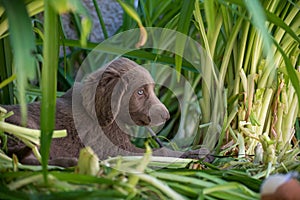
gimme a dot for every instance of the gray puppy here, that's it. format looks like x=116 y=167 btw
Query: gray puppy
x=97 y=113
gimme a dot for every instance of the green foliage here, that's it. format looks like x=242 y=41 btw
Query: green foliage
x=49 y=82
x=183 y=27
x=255 y=47
x=24 y=50
x=131 y=177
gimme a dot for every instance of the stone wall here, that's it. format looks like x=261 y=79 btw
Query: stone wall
x=112 y=14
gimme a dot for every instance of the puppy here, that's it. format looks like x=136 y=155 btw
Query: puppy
x=97 y=113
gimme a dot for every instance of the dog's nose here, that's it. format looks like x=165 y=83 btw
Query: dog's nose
x=165 y=114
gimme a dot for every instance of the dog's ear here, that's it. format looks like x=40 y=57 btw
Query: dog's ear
x=102 y=94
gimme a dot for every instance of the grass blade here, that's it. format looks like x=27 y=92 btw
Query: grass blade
x=23 y=49
x=133 y=14
x=49 y=76
x=6 y=72
x=254 y=7
x=100 y=19
x=183 y=27
x=210 y=16
x=279 y=22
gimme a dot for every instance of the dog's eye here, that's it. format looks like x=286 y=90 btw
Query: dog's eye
x=140 y=92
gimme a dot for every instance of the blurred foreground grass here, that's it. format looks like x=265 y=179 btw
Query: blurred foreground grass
x=143 y=177
x=130 y=178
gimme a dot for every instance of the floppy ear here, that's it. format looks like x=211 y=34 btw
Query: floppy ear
x=102 y=94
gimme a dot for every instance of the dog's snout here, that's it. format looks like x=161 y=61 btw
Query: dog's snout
x=165 y=114
x=159 y=114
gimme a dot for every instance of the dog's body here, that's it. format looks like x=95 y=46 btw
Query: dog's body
x=64 y=151
x=95 y=113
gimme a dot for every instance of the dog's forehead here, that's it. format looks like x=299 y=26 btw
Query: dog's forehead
x=139 y=75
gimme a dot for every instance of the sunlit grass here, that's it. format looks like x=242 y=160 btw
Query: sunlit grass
x=256 y=53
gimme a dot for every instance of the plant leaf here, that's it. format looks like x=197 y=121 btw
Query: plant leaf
x=49 y=82
x=23 y=49
x=133 y=14
x=183 y=27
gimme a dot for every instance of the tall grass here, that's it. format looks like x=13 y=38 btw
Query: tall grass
x=254 y=45
x=24 y=50
x=49 y=81
x=24 y=55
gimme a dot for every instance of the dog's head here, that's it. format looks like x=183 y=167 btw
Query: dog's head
x=124 y=92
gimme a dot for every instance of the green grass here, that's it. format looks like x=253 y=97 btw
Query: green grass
x=255 y=48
